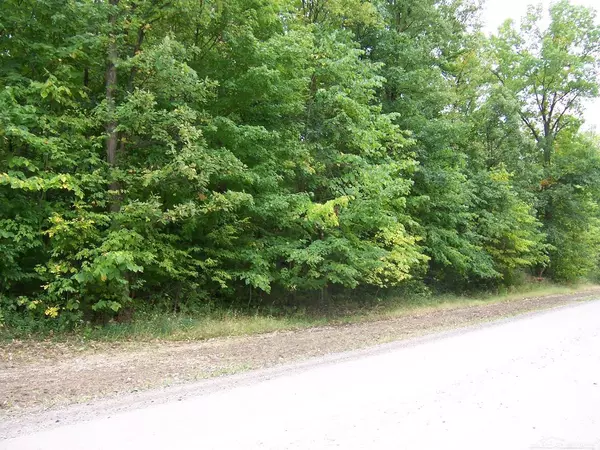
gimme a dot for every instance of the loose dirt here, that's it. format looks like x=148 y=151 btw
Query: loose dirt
x=36 y=376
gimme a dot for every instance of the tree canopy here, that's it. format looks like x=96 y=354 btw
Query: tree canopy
x=172 y=154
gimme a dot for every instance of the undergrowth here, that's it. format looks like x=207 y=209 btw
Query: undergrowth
x=151 y=325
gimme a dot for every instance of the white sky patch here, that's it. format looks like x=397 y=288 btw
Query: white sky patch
x=497 y=11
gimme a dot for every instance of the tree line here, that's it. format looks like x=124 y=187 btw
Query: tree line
x=159 y=153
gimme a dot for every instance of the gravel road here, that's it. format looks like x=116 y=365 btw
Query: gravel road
x=528 y=383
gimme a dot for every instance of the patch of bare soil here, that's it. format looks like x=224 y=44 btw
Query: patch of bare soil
x=40 y=375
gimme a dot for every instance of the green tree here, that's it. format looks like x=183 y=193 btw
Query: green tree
x=171 y=154
x=544 y=75
x=549 y=72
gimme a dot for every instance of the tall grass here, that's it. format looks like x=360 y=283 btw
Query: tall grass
x=221 y=323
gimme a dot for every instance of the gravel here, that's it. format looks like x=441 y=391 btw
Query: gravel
x=523 y=383
x=38 y=376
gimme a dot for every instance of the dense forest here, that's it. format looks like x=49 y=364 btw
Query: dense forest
x=166 y=154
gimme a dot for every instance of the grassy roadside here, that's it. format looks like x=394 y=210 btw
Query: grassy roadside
x=178 y=327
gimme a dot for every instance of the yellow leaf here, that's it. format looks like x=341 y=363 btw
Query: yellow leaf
x=52 y=311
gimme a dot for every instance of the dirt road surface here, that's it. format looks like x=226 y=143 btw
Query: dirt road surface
x=523 y=383
x=37 y=376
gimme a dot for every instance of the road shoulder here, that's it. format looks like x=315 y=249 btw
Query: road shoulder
x=37 y=391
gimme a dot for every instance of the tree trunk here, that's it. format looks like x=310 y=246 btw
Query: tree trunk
x=111 y=125
x=548 y=143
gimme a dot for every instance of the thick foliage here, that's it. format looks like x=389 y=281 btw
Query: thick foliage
x=187 y=152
